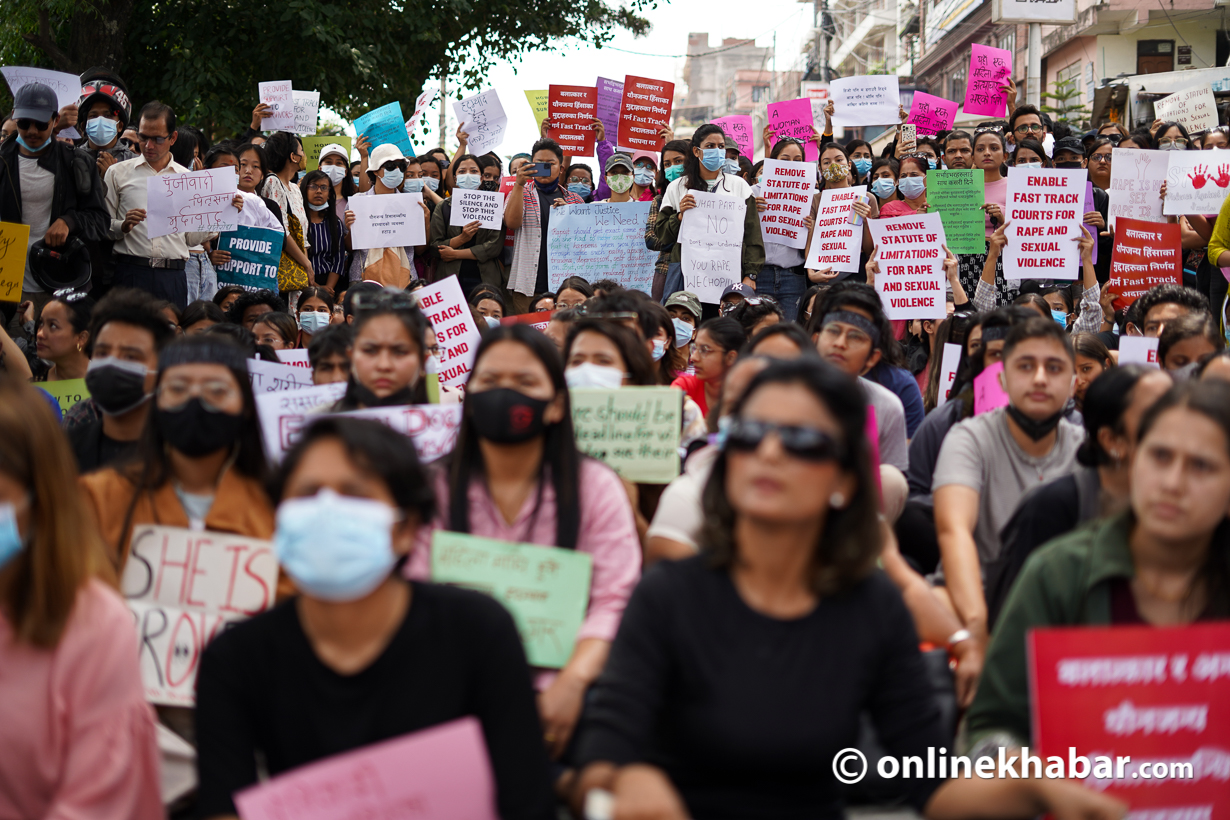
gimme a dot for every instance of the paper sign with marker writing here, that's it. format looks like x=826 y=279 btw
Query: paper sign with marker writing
x=197 y=201
x=787 y=191
x=738 y=129
x=1045 y=207
x=445 y=307
x=255 y=256
x=420 y=106
x=482 y=117
x=280 y=97
x=538 y=104
x=600 y=240
x=932 y=114
x=307 y=111
x=633 y=430
x=384 y=125
x=1138 y=350
x=485 y=207
x=66 y=86
x=312 y=146
x=1136 y=178
x=712 y=238
x=432 y=428
x=271 y=377
x=989 y=70
x=793 y=118
x=68 y=392
x=14 y=247
x=948 y=370
x=866 y=100
x=957 y=195
x=573 y=109
x=1145 y=254
x=835 y=243
x=441 y=773
x=172 y=639
x=911 y=256
x=1197 y=182
x=285 y=413
x=610 y=96
x=988 y=392
x=387 y=221
x=644 y=111
x=297 y=357
x=546 y=589
x=1194 y=108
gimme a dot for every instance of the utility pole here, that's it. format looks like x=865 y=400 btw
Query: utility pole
x=443 y=106
x=1033 y=75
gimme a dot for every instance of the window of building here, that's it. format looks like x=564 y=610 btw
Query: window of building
x=958 y=77
x=1154 y=56
x=760 y=93
x=1007 y=40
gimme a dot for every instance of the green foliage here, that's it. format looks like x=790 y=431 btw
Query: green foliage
x=1066 y=108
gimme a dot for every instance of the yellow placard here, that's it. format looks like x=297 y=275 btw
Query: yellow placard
x=68 y=392
x=538 y=102
x=14 y=240
x=312 y=146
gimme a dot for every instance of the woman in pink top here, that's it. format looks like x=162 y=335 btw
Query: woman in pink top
x=911 y=186
x=516 y=475
x=76 y=736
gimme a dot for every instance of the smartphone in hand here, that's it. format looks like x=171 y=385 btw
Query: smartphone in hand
x=542 y=170
x=909 y=135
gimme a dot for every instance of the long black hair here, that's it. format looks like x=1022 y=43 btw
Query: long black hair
x=637 y=363
x=416 y=325
x=678 y=146
x=329 y=214
x=1106 y=400
x=691 y=162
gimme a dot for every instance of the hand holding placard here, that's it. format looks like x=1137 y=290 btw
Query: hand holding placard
x=866 y=100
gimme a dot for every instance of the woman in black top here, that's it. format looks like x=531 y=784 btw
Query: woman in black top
x=362 y=655
x=738 y=676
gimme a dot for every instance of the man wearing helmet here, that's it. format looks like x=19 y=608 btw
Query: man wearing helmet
x=104 y=111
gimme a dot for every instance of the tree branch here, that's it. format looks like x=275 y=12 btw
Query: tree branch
x=47 y=43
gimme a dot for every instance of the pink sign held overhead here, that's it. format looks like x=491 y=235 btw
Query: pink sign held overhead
x=738 y=127
x=989 y=68
x=988 y=392
x=793 y=118
x=932 y=114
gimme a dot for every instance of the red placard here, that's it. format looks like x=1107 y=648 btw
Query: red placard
x=1145 y=254
x=573 y=109
x=1159 y=696
x=645 y=110
x=537 y=320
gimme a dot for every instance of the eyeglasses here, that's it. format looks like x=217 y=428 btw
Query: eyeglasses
x=130 y=144
x=156 y=140
x=1032 y=128
x=213 y=393
x=1172 y=141
x=746 y=435
x=390 y=300
x=1115 y=139
x=319 y=189
x=1105 y=157
x=32 y=125
x=433 y=350
x=705 y=350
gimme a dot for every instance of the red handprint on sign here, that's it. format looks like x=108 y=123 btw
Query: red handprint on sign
x=1223 y=176
x=1199 y=178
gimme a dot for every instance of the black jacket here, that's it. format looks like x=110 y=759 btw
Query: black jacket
x=79 y=198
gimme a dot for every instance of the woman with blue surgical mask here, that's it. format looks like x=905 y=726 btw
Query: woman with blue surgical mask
x=360 y=654
x=470 y=252
x=314 y=313
x=883 y=180
x=674 y=152
x=860 y=159
x=389 y=266
x=911 y=188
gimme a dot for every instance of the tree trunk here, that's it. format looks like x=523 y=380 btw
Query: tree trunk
x=96 y=37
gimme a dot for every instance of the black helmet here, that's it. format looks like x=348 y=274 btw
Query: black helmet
x=67 y=266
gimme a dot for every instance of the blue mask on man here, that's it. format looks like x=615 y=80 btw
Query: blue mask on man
x=22 y=142
x=101 y=130
x=732 y=166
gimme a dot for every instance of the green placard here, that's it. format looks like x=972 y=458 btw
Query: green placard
x=957 y=196
x=545 y=588
x=68 y=392
x=633 y=430
x=312 y=147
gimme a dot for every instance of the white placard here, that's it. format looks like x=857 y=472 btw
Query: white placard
x=1138 y=350
x=280 y=97
x=66 y=86
x=271 y=377
x=787 y=191
x=1194 y=108
x=835 y=243
x=420 y=105
x=866 y=100
x=387 y=221
x=445 y=307
x=284 y=414
x=1045 y=207
x=307 y=110
x=196 y=201
x=484 y=207
x=172 y=640
x=482 y=117
x=911 y=258
x=948 y=371
x=1196 y=182
x=299 y=358
x=1055 y=12
x=1136 y=177
x=712 y=238
x=431 y=427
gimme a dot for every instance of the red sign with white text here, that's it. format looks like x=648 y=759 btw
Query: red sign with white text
x=644 y=112
x=573 y=109
x=1145 y=254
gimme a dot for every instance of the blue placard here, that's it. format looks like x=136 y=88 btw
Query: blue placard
x=255 y=255
x=385 y=125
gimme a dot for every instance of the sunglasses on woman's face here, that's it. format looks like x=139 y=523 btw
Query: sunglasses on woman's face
x=745 y=435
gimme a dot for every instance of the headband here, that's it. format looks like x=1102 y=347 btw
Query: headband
x=861 y=322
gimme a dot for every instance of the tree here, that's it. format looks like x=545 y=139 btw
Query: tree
x=1067 y=106
x=205 y=57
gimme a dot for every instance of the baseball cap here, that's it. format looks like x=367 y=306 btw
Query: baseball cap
x=1072 y=144
x=618 y=159
x=35 y=101
x=738 y=289
x=686 y=300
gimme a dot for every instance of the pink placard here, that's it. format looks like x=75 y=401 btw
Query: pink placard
x=932 y=114
x=989 y=68
x=440 y=773
x=793 y=118
x=739 y=128
x=988 y=392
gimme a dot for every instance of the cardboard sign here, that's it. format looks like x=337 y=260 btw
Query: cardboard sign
x=1045 y=207
x=911 y=281
x=1138 y=350
x=432 y=428
x=171 y=640
x=866 y=100
x=1152 y=701
x=384 y=126
x=546 y=589
x=538 y=104
x=255 y=256
x=1194 y=108
x=285 y=413
x=644 y=112
x=633 y=430
x=197 y=201
x=434 y=774
x=835 y=243
x=1136 y=178
x=307 y=111
x=387 y=221
x=712 y=238
x=793 y=118
x=958 y=196
x=600 y=240
x=948 y=371
x=1145 y=254
x=932 y=114
x=312 y=146
x=483 y=207
x=456 y=333
x=573 y=109
x=14 y=247
x=482 y=117
x=787 y=191
x=298 y=358
x=271 y=377
x=989 y=70
x=280 y=97
x=738 y=129
x=610 y=96
x=988 y=392
x=66 y=86
x=1196 y=183
x=68 y=392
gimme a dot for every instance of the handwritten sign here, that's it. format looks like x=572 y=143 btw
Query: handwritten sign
x=431 y=428
x=932 y=114
x=172 y=639
x=483 y=118
x=387 y=221
x=610 y=96
x=1145 y=254
x=312 y=146
x=1196 y=183
x=307 y=111
x=433 y=774
x=573 y=109
x=385 y=126
x=633 y=430
x=538 y=104
x=197 y=201
x=68 y=392
x=420 y=106
x=793 y=118
x=1194 y=108
x=1138 y=350
x=485 y=207
x=298 y=357
x=280 y=97
x=445 y=307
x=1136 y=178
x=67 y=87
x=948 y=371
x=14 y=246
x=1045 y=207
x=835 y=243
x=644 y=112
x=989 y=70
x=787 y=191
x=712 y=238
x=271 y=377
x=865 y=100
x=911 y=257
x=285 y=413
x=546 y=589
x=738 y=129
x=255 y=255
x=989 y=392
x=957 y=195
x=600 y=240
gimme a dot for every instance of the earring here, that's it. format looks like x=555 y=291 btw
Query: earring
x=837 y=501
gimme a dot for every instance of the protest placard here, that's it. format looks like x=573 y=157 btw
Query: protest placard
x=538 y=320
x=600 y=240
x=270 y=377
x=712 y=238
x=1045 y=207
x=957 y=195
x=14 y=247
x=911 y=256
x=644 y=111
x=932 y=114
x=1088 y=206
x=948 y=371
x=1138 y=350
x=1193 y=108
x=989 y=70
x=835 y=243
x=988 y=390
x=255 y=256
x=68 y=392
x=538 y=104
x=312 y=147
x=787 y=191
x=1145 y=254
x=610 y=96
x=573 y=109
x=738 y=129
x=1139 y=713
x=482 y=117
x=307 y=111
x=1136 y=177
x=432 y=428
x=420 y=106
x=445 y=307
x=633 y=430
x=866 y=100
x=280 y=97
x=387 y=221
x=284 y=414
x=440 y=773
x=297 y=357
x=546 y=589
x=171 y=640
x=384 y=125
x=197 y=201
x=66 y=86
x=793 y=118
x=485 y=207
x=1196 y=183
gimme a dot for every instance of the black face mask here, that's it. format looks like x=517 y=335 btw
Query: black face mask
x=547 y=187
x=1036 y=430
x=196 y=431
x=1069 y=166
x=506 y=416
x=118 y=386
x=489 y=185
x=364 y=396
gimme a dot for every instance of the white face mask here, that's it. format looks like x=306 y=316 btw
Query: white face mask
x=335 y=173
x=659 y=350
x=594 y=375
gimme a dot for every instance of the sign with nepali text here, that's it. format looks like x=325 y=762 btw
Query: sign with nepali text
x=482 y=117
x=384 y=126
x=284 y=414
x=738 y=129
x=573 y=109
x=271 y=377
x=644 y=112
x=957 y=194
x=932 y=114
x=989 y=70
x=387 y=221
x=1145 y=254
x=911 y=257
x=196 y=201
x=1045 y=207
x=610 y=96
x=866 y=100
